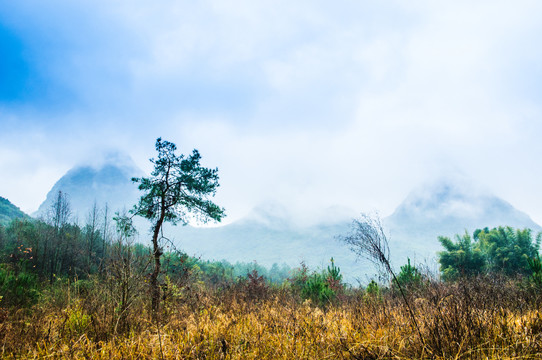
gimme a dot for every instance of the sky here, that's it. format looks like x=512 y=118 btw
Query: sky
x=310 y=104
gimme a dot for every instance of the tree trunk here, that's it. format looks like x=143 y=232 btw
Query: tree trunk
x=155 y=287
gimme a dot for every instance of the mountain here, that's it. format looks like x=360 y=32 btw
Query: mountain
x=268 y=235
x=445 y=208
x=442 y=208
x=107 y=180
x=8 y=212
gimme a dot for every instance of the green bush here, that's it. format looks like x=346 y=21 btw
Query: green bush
x=19 y=289
x=410 y=277
x=77 y=322
x=461 y=258
x=319 y=287
x=501 y=250
x=536 y=267
x=372 y=292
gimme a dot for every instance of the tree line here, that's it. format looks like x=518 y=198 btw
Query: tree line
x=37 y=252
x=178 y=191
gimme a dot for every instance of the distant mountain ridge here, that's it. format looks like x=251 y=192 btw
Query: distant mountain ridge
x=270 y=234
x=8 y=212
x=442 y=208
x=108 y=182
x=446 y=208
x=272 y=239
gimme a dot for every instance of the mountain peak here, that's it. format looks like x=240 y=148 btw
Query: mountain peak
x=111 y=158
x=447 y=207
x=104 y=179
x=449 y=198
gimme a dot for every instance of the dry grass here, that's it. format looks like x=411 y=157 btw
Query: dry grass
x=474 y=320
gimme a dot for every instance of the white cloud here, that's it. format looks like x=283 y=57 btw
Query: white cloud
x=313 y=104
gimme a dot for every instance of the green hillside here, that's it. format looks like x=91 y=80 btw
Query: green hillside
x=8 y=211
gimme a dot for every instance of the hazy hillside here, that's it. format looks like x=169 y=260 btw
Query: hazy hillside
x=269 y=234
x=272 y=237
x=8 y=211
x=107 y=182
x=447 y=208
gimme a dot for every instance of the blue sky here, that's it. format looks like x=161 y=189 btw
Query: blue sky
x=310 y=104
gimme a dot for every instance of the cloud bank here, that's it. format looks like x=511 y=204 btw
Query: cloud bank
x=310 y=104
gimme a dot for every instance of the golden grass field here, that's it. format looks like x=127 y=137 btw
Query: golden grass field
x=475 y=320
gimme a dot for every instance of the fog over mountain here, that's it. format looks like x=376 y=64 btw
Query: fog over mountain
x=444 y=208
x=271 y=234
x=106 y=180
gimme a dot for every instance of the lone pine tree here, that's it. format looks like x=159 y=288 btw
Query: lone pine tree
x=178 y=190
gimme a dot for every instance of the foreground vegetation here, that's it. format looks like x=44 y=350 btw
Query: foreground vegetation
x=95 y=303
x=248 y=319
x=91 y=291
